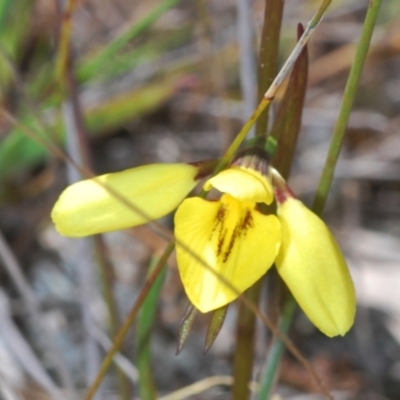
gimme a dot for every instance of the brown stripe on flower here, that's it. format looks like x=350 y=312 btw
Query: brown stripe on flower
x=247 y=221
x=219 y=224
x=240 y=230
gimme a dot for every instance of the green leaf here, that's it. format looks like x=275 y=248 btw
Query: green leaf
x=93 y=63
x=14 y=29
x=18 y=151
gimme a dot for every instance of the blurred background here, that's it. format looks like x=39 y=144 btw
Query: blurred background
x=168 y=81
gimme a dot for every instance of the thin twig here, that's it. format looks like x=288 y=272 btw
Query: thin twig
x=123 y=363
x=128 y=322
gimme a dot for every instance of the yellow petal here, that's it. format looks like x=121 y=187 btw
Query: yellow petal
x=232 y=238
x=243 y=184
x=313 y=267
x=86 y=208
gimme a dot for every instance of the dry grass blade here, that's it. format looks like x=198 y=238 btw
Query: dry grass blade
x=202 y=386
x=23 y=351
x=13 y=268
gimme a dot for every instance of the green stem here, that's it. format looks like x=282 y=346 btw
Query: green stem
x=275 y=355
x=267 y=66
x=147 y=387
x=128 y=323
x=270 y=93
x=244 y=354
x=240 y=137
x=346 y=106
x=268 y=59
x=319 y=14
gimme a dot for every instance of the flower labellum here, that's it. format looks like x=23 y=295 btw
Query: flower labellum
x=228 y=238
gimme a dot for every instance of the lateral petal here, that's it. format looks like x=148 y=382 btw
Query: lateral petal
x=87 y=208
x=232 y=238
x=313 y=267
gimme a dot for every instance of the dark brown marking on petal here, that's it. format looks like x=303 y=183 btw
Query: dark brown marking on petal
x=219 y=218
x=219 y=225
x=221 y=241
x=228 y=251
x=221 y=213
x=247 y=222
x=240 y=230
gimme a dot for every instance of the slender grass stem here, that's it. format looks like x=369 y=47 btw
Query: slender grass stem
x=319 y=14
x=244 y=354
x=346 y=106
x=276 y=351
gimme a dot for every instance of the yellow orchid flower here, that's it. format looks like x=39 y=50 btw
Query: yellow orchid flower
x=229 y=236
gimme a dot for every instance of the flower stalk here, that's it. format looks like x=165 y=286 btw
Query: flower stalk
x=346 y=106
